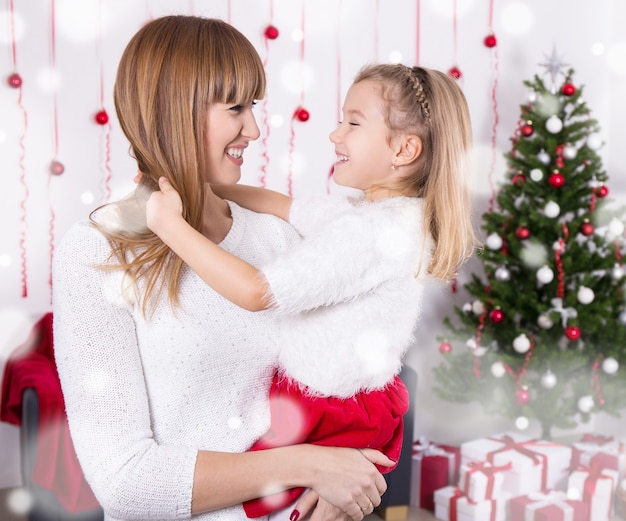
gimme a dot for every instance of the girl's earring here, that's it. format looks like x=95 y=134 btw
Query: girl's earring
x=393 y=166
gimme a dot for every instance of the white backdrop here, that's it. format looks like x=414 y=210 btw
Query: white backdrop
x=67 y=65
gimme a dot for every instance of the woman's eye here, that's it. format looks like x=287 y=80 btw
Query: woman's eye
x=236 y=108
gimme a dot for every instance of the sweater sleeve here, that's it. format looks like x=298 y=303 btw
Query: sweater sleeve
x=99 y=365
x=352 y=253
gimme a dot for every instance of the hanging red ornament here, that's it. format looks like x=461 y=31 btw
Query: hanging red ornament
x=445 y=348
x=522 y=233
x=14 y=80
x=568 y=89
x=572 y=332
x=586 y=228
x=556 y=179
x=527 y=129
x=496 y=316
x=603 y=191
x=518 y=178
x=490 y=41
x=301 y=114
x=522 y=396
x=455 y=72
x=271 y=32
x=101 y=117
x=56 y=167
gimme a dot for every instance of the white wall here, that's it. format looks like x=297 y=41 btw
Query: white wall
x=339 y=37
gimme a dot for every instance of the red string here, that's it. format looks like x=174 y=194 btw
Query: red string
x=107 y=131
x=265 y=119
x=418 y=31
x=560 y=292
x=595 y=379
x=51 y=224
x=21 y=161
x=496 y=117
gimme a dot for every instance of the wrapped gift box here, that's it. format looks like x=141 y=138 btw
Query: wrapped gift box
x=452 y=505
x=433 y=466
x=481 y=480
x=605 y=451
x=551 y=506
x=536 y=464
x=595 y=486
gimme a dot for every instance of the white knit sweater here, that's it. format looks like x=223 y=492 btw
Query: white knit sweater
x=348 y=292
x=142 y=396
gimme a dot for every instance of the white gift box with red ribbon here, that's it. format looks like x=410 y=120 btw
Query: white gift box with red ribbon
x=480 y=480
x=552 y=506
x=452 y=505
x=596 y=486
x=606 y=451
x=433 y=466
x=536 y=465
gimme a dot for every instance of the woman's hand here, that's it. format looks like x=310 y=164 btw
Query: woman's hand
x=163 y=206
x=312 y=508
x=349 y=479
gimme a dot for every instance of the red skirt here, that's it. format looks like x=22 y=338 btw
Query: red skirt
x=366 y=420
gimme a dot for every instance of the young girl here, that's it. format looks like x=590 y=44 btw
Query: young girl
x=350 y=291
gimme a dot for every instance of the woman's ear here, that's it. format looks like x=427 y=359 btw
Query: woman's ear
x=409 y=149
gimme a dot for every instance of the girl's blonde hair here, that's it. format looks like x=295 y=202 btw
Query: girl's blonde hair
x=172 y=69
x=429 y=104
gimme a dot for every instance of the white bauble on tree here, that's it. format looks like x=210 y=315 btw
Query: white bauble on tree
x=610 y=365
x=585 y=403
x=594 y=141
x=503 y=274
x=478 y=307
x=569 y=152
x=536 y=174
x=551 y=209
x=617 y=272
x=554 y=125
x=615 y=228
x=622 y=318
x=498 y=370
x=544 y=321
x=521 y=343
x=545 y=275
x=494 y=241
x=544 y=157
x=585 y=295
x=548 y=380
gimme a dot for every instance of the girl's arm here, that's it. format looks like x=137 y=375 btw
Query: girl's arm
x=259 y=200
x=230 y=276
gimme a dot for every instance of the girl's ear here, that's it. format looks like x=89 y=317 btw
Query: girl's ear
x=408 y=150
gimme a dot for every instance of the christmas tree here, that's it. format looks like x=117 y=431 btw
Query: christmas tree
x=544 y=333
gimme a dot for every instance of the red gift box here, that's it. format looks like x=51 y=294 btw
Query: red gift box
x=433 y=467
x=551 y=506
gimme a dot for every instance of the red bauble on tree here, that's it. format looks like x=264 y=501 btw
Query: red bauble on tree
x=556 y=179
x=568 y=89
x=445 y=348
x=101 y=117
x=586 y=228
x=496 y=316
x=455 y=72
x=527 y=129
x=490 y=41
x=14 y=80
x=518 y=178
x=301 y=114
x=271 y=32
x=522 y=396
x=603 y=191
x=572 y=332
x=522 y=233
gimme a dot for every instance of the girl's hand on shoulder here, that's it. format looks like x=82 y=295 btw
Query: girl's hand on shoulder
x=163 y=206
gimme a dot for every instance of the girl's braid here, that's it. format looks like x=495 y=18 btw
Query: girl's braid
x=412 y=74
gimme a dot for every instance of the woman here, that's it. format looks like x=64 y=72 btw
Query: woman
x=165 y=382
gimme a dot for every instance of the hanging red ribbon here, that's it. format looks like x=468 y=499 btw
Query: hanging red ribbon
x=270 y=33
x=102 y=117
x=15 y=81
x=496 y=117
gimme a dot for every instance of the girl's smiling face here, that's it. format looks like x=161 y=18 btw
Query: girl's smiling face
x=362 y=142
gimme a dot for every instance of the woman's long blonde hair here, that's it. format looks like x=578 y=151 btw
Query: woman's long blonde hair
x=428 y=103
x=170 y=72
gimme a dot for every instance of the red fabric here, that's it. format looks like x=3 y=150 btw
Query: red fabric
x=373 y=420
x=56 y=467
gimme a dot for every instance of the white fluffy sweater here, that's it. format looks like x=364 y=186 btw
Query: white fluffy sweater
x=348 y=292
x=142 y=396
